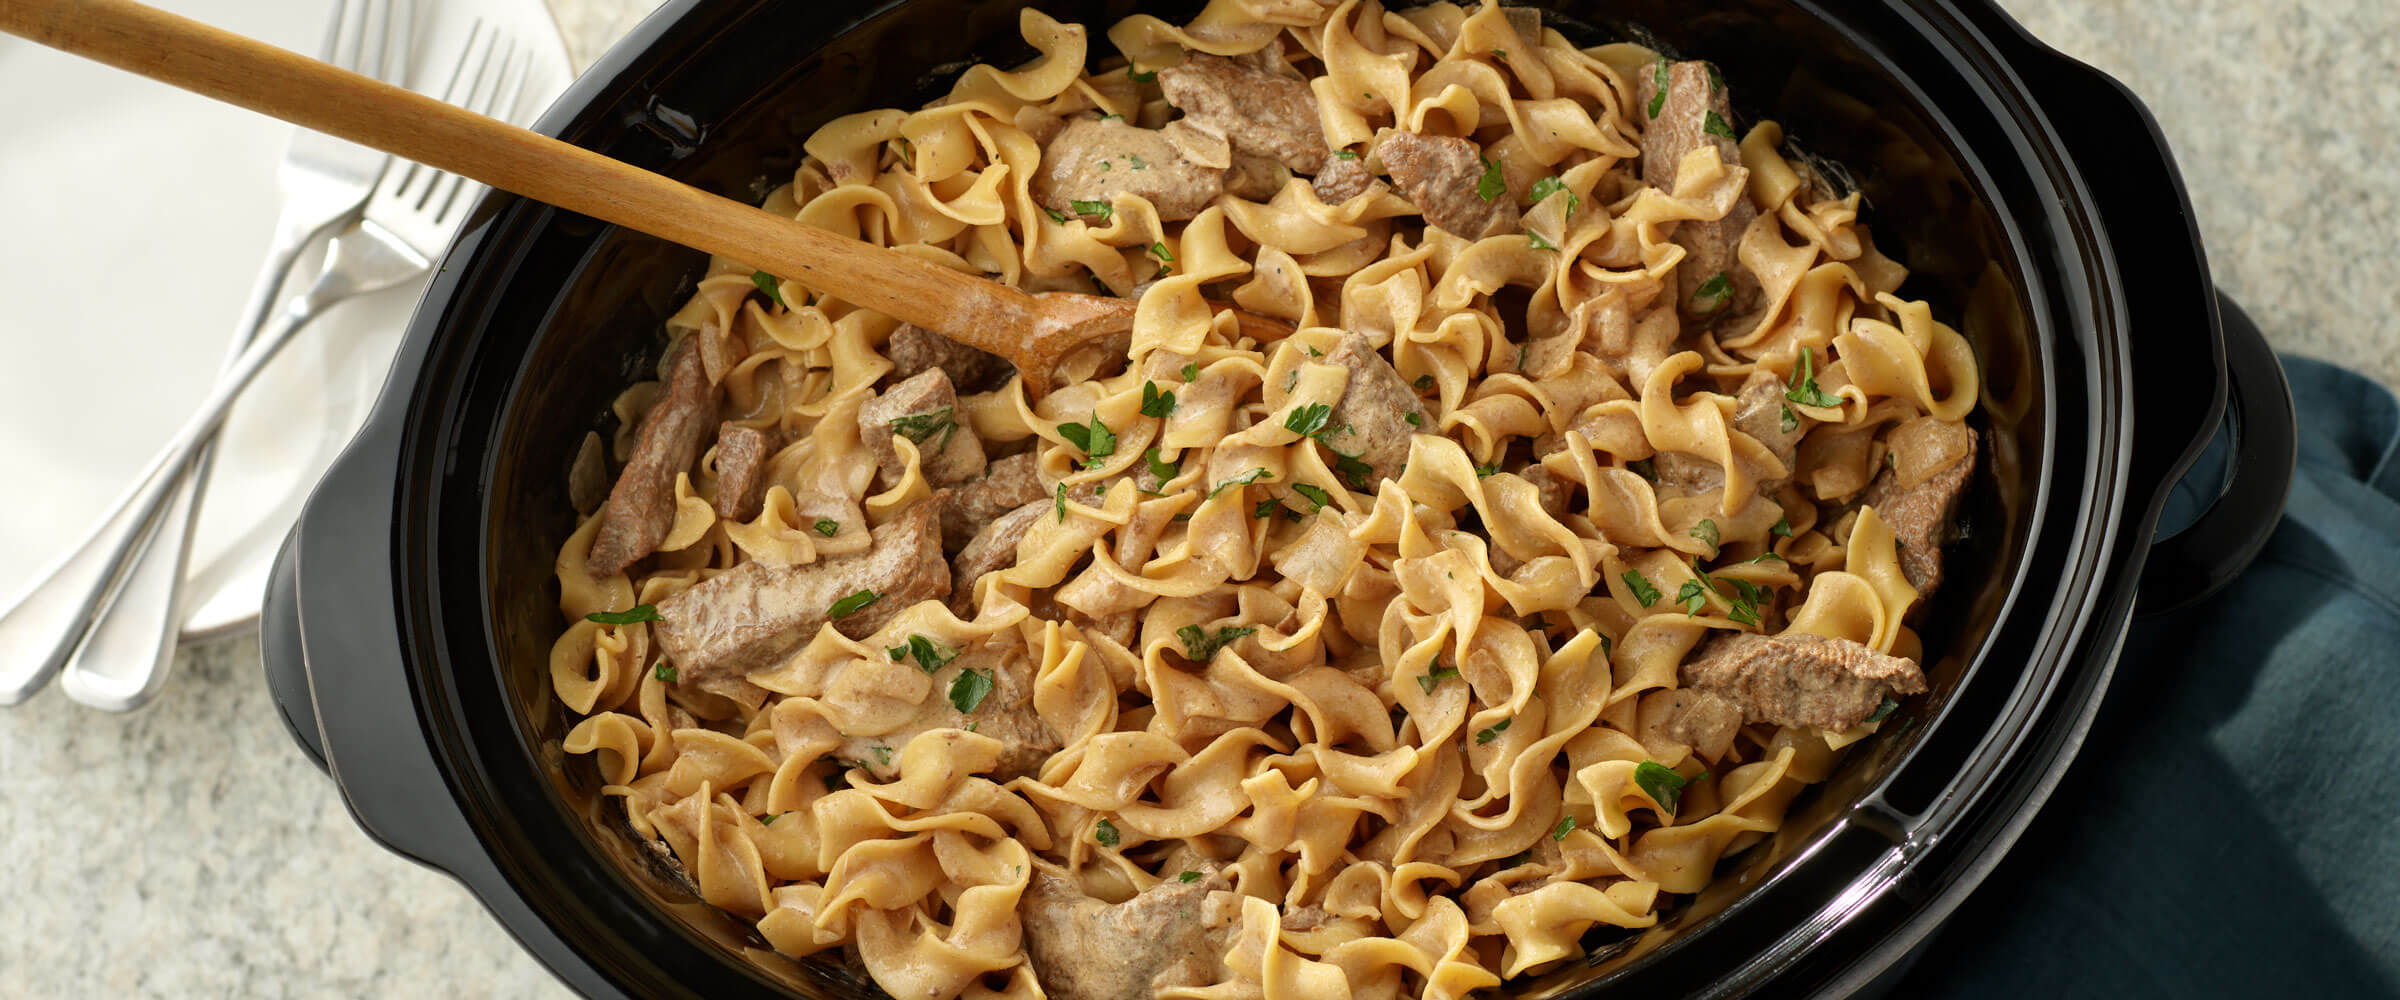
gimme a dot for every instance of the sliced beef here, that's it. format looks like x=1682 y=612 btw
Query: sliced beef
x=1371 y=426
x=1098 y=160
x=1558 y=492
x=754 y=615
x=915 y=350
x=742 y=454
x=1253 y=178
x=994 y=547
x=1005 y=713
x=1758 y=410
x=1343 y=178
x=1701 y=718
x=1439 y=174
x=1085 y=949
x=1799 y=679
x=1696 y=112
x=1260 y=112
x=1921 y=515
x=641 y=507
x=1006 y=485
x=924 y=408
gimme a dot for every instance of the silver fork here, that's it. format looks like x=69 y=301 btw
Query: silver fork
x=324 y=182
x=408 y=220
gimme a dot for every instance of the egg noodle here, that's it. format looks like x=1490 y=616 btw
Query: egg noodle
x=1405 y=734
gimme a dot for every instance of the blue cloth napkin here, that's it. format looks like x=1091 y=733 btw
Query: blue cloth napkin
x=2232 y=827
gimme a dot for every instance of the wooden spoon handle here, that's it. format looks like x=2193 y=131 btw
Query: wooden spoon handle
x=311 y=94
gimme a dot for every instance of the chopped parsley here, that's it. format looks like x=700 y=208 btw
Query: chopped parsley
x=1535 y=240
x=1783 y=527
x=662 y=671
x=1062 y=503
x=1500 y=54
x=1139 y=163
x=1803 y=387
x=1315 y=495
x=1200 y=646
x=1711 y=294
x=1345 y=154
x=1142 y=77
x=1307 y=420
x=827 y=526
x=1693 y=596
x=1564 y=827
x=1160 y=469
x=1191 y=371
x=1413 y=419
x=1358 y=474
x=1663 y=784
x=930 y=655
x=1098 y=209
x=1244 y=479
x=1160 y=251
x=968 y=688
x=1096 y=440
x=1791 y=422
x=1885 y=710
x=1106 y=833
x=1765 y=556
x=1483 y=736
x=1642 y=590
x=1706 y=531
x=918 y=427
x=1716 y=80
x=1434 y=677
x=769 y=284
x=1658 y=82
x=1491 y=185
x=1548 y=186
x=1423 y=382
x=1715 y=124
x=637 y=613
x=883 y=755
x=1487 y=470
x=836 y=782
x=972 y=723
x=1055 y=215
x=852 y=604
x=1644 y=467
x=769 y=819
x=1188 y=878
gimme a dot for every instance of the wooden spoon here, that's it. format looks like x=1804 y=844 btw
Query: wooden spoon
x=1034 y=332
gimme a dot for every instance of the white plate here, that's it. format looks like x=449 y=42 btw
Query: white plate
x=132 y=221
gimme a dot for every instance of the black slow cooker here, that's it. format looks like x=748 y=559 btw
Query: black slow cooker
x=408 y=625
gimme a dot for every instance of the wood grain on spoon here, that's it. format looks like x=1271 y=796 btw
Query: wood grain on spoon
x=1032 y=331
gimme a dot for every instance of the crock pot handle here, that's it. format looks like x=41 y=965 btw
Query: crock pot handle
x=2208 y=554
x=279 y=651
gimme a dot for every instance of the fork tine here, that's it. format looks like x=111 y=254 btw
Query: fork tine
x=479 y=99
x=505 y=98
x=407 y=180
x=331 y=50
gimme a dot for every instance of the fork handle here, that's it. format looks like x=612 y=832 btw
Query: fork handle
x=337 y=102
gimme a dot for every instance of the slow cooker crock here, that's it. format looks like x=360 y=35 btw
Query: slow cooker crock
x=408 y=624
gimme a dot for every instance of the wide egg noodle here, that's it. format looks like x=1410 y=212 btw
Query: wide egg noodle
x=1414 y=760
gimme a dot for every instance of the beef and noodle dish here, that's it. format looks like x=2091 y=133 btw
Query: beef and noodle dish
x=1577 y=524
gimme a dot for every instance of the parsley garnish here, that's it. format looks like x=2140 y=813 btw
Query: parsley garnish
x=1138 y=163
x=769 y=284
x=930 y=655
x=769 y=819
x=1269 y=506
x=1803 y=387
x=1716 y=80
x=1315 y=495
x=1885 y=710
x=1101 y=209
x=972 y=723
x=1715 y=124
x=1062 y=503
x=1188 y=878
x=1548 y=186
x=1483 y=736
x=1663 y=784
x=850 y=605
x=1159 y=469
x=1693 y=596
x=1535 y=240
x=1491 y=185
x=968 y=688
x=637 y=613
x=1643 y=467
x=1191 y=371
x=1564 y=827
x=1706 y=531
x=1345 y=154
x=1244 y=479
x=1358 y=474
x=1055 y=215
x=1306 y=421
x=1413 y=419
x=1106 y=833
x=1160 y=251
x=834 y=782
x=1434 y=677
x=1096 y=440
x=1658 y=82
x=1642 y=590
x=1200 y=646
x=1423 y=382
x=1791 y=422
x=1142 y=77
x=1783 y=527
x=1711 y=294
x=1764 y=556
x=918 y=427
x=827 y=526
x=1487 y=470
x=662 y=671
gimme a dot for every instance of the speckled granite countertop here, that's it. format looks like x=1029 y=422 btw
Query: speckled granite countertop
x=190 y=850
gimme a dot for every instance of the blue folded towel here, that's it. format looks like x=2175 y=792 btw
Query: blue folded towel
x=2232 y=827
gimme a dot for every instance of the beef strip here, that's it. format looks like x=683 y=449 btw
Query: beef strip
x=1702 y=718
x=1253 y=178
x=1085 y=949
x=1097 y=160
x=754 y=615
x=1371 y=422
x=1262 y=113
x=1006 y=485
x=1558 y=492
x=925 y=408
x=1694 y=92
x=1799 y=679
x=1343 y=178
x=641 y=507
x=1005 y=713
x=1757 y=411
x=994 y=547
x=914 y=350
x=1920 y=516
x=1439 y=175
x=742 y=454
